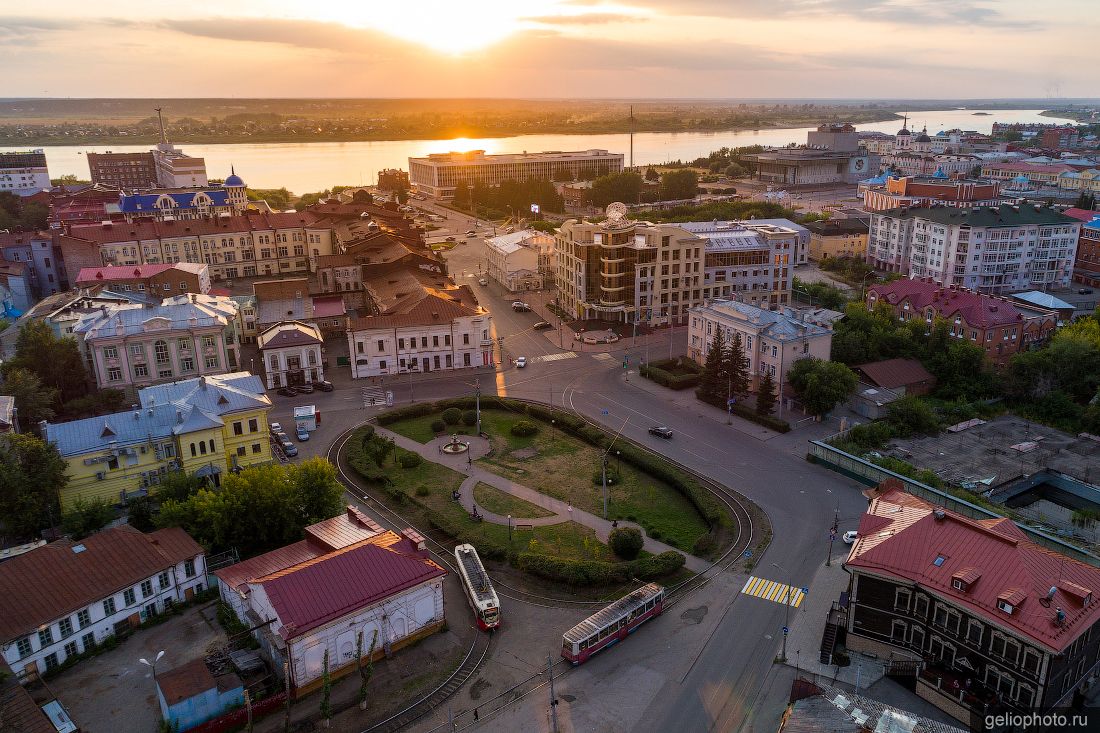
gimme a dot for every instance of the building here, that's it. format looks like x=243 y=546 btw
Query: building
x=575 y=195
x=1044 y=175
x=190 y=695
x=161 y=280
x=16 y=296
x=995 y=324
x=184 y=203
x=425 y=329
x=888 y=191
x=24 y=173
x=132 y=346
x=749 y=260
x=904 y=376
x=61 y=312
x=202 y=426
x=389 y=591
x=832 y=155
x=985 y=619
x=1086 y=268
x=393 y=179
x=1060 y=138
x=817 y=707
x=166 y=166
x=39 y=251
x=439 y=173
x=67 y=597
x=772 y=341
x=834 y=136
x=991 y=249
x=837 y=238
x=9 y=423
x=1046 y=301
x=248 y=245
x=20 y=712
x=520 y=260
x=291 y=354
x=71 y=205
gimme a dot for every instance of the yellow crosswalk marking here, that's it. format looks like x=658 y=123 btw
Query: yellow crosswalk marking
x=773 y=590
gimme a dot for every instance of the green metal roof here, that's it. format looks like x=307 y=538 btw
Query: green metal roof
x=985 y=216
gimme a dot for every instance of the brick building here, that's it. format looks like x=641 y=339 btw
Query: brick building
x=156 y=280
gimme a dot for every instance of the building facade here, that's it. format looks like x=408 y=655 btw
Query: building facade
x=772 y=341
x=24 y=173
x=837 y=238
x=981 y=616
x=185 y=203
x=203 y=426
x=66 y=598
x=891 y=192
x=998 y=326
x=40 y=252
x=439 y=173
x=831 y=155
x=123 y=170
x=155 y=280
x=1086 y=268
x=520 y=260
x=991 y=249
x=291 y=353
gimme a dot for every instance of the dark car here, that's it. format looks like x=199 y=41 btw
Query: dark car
x=324 y=386
x=304 y=389
x=1085 y=291
x=541 y=326
x=661 y=431
x=288 y=391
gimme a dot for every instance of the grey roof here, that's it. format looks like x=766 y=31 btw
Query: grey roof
x=288 y=309
x=129 y=319
x=1044 y=300
x=773 y=324
x=839 y=711
x=730 y=235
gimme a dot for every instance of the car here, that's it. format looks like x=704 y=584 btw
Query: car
x=288 y=391
x=471 y=233
x=304 y=389
x=281 y=437
x=449 y=239
x=275 y=428
x=850 y=537
x=325 y=386
x=542 y=326
x=289 y=448
x=661 y=432
x=483 y=281
x=520 y=307
x=303 y=434
x=1085 y=291
x=521 y=362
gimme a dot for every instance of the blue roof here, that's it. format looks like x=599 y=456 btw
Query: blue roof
x=939 y=173
x=1044 y=300
x=234 y=180
x=1094 y=224
x=131 y=203
x=878 y=180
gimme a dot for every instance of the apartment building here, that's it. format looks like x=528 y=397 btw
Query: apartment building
x=164 y=166
x=990 y=249
x=749 y=260
x=997 y=325
x=40 y=252
x=247 y=245
x=439 y=173
x=132 y=346
x=891 y=192
x=204 y=426
x=772 y=341
x=67 y=597
x=1086 y=268
x=837 y=238
x=980 y=618
x=24 y=173
x=155 y=280
x=520 y=260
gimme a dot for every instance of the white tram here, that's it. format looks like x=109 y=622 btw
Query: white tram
x=479 y=590
x=613 y=623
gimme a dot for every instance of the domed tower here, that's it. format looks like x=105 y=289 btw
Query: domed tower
x=922 y=143
x=235 y=189
x=904 y=138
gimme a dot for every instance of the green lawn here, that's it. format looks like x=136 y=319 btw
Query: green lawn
x=499 y=502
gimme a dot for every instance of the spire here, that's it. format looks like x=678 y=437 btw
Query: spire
x=232 y=170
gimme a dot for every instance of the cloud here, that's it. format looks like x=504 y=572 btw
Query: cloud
x=299 y=33
x=585 y=19
x=22 y=31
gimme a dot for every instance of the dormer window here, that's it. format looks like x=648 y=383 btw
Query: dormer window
x=958 y=584
x=1003 y=605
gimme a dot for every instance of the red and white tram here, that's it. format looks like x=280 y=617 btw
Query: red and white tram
x=479 y=590
x=612 y=624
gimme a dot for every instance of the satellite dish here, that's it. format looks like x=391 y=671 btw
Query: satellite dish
x=616 y=211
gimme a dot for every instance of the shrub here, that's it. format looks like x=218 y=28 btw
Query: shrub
x=469 y=418
x=438 y=426
x=524 y=429
x=668 y=379
x=409 y=459
x=704 y=545
x=626 y=542
x=655 y=534
x=418 y=409
x=597 y=572
x=423 y=490
x=452 y=415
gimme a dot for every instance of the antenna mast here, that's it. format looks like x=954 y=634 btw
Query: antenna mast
x=632 y=136
x=160 y=119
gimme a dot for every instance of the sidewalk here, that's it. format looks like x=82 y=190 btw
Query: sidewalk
x=562 y=511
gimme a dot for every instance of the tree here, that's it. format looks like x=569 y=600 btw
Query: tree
x=821 y=385
x=652 y=175
x=912 y=416
x=365 y=672
x=681 y=184
x=326 y=693
x=734 y=170
x=625 y=187
x=402 y=195
x=139 y=514
x=56 y=361
x=1085 y=201
x=362 y=196
x=712 y=384
x=69 y=179
x=83 y=518
x=33 y=402
x=626 y=542
x=765 y=395
x=178 y=486
x=32 y=475
x=736 y=367
x=462 y=196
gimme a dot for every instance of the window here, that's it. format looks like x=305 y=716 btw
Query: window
x=253 y=425
x=901 y=599
x=24 y=647
x=66 y=627
x=465 y=339
x=916 y=637
x=189 y=568
x=208 y=342
x=974 y=632
x=109 y=606
x=84 y=618
x=939 y=561
x=146 y=588
x=240 y=450
x=160 y=351
x=114 y=374
x=920 y=606
x=141 y=371
x=45 y=637
x=238 y=428
x=129 y=597
x=1030 y=662
x=70 y=649
x=110 y=352
x=211 y=362
x=162 y=580
x=940 y=617
x=51 y=661
x=187 y=364
x=88 y=641
x=256 y=448
x=897 y=630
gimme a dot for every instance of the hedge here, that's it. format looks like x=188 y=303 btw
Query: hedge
x=772 y=423
x=668 y=379
x=418 y=409
x=598 y=572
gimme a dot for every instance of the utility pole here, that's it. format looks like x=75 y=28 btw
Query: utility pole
x=786 y=609
x=553 y=698
x=832 y=536
x=632 y=137
x=603 y=474
x=477 y=393
x=286 y=690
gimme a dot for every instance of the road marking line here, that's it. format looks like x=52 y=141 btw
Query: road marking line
x=774 y=591
x=555 y=357
x=603 y=356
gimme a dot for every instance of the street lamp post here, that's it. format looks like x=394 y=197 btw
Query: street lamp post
x=786 y=608
x=153 y=664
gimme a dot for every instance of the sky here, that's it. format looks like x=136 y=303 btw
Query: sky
x=550 y=48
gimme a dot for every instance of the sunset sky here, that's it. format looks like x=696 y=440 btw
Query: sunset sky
x=550 y=48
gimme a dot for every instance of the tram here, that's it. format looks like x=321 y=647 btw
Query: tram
x=613 y=623
x=479 y=590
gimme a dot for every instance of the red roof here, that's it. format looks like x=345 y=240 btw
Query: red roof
x=63 y=577
x=993 y=555
x=1081 y=214
x=119 y=272
x=892 y=373
x=322 y=590
x=980 y=311
x=150 y=229
x=328 y=306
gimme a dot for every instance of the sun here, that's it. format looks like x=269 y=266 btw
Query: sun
x=443 y=25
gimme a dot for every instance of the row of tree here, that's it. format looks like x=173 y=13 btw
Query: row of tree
x=509 y=196
x=17 y=213
x=726 y=375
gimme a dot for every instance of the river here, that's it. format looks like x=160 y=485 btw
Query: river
x=304 y=167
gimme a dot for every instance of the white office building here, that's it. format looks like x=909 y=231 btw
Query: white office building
x=438 y=174
x=24 y=173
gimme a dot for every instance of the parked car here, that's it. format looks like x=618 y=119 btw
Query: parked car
x=289 y=448
x=449 y=239
x=275 y=428
x=281 y=437
x=850 y=537
x=288 y=391
x=325 y=386
x=304 y=389
x=1085 y=291
x=661 y=432
x=483 y=281
x=521 y=362
x=520 y=307
x=303 y=434
x=471 y=233
x=541 y=326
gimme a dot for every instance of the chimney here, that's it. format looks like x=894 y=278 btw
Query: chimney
x=939 y=514
x=417 y=539
x=179 y=416
x=202 y=382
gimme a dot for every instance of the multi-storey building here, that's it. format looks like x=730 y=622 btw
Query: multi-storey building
x=1086 y=268
x=24 y=173
x=67 y=598
x=233 y=246
x=158 y=281
x=837 y=238
x=890 y=192
x=62 y=311
x=393 y=179
x=439 y=173
x=772 y=341
x=831 y=155
x=185 y=203
x=984 y=619
x=42 y=255
x=991 y=249
x=1036 y=174
x=1060 y=138
x=998 y=326
x=204 y=426
x=520 y=260
x=291 y=354
x=164 y=166
x=133 y=346
x=749 y=260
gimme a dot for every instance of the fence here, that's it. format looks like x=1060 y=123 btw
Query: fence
x=239 y=717
x=872 y=475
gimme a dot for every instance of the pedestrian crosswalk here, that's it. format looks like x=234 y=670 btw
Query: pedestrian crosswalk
x=771 y=590
x=556 y=357
x=375 y=396
x=603 y=356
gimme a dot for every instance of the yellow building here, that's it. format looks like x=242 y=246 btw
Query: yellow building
x=837 y=238
x=204 y=426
